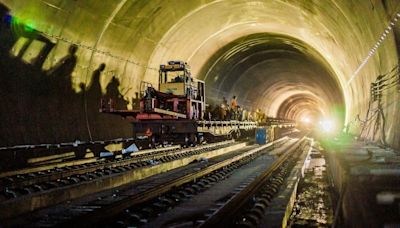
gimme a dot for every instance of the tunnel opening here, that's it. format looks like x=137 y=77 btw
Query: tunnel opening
x=277 y=74
x=302 y=107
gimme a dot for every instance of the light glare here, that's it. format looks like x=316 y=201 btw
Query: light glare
x=327 y=126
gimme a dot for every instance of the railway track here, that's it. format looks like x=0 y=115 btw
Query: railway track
x=247 y=207
x=138 y=203
x=79 y=181
x=117 y=208
x=30 y=182
x=196 y=193
x=32 y=176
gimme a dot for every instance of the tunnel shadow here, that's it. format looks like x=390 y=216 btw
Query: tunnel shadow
x=41 y=106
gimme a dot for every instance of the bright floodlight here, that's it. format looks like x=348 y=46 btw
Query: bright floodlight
x=327 y=125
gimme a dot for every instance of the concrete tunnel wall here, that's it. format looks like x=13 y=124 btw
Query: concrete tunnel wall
x=290 y=58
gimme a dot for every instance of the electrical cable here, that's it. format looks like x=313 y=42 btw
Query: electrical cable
x=383 y=132
x=367 y=124
x=387 y=87
x=370 y=118
x=395 y=75
x=382 y=83
x=391 y=71
x=388 y=82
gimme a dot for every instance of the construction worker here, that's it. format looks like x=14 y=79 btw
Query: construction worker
x=234 y=107
x=234 y=104
x=257 y=116
x=245 y=114
x=240 y=113
x=250 y=116
x=224 y=108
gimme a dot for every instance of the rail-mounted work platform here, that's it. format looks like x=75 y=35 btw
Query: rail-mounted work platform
x=224 y=127
x=165 y=122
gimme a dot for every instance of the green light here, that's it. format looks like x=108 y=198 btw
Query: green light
x=29 y=27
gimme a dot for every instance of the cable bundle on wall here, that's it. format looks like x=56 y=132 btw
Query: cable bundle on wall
x=382 y=83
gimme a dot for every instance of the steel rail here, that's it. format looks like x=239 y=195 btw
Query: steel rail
x=106 y=213
x=104 y=164
x=37 y=200
x=82 y=169
x=223 y=217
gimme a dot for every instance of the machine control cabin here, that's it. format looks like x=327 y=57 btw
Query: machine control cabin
x=175 y=79
x=179 y=96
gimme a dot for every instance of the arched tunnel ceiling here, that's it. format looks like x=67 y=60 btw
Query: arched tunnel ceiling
x=266 y=69
x=325 y=40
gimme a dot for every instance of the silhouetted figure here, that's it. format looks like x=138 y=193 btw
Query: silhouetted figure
x=114 y=94
x=42 y=107
x=95 y=86
x=44 y=52
x=93 y=93
x=136 y=101
x=62 y=71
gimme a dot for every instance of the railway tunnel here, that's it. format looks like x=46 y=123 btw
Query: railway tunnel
x=289 y=59
x=314 y=62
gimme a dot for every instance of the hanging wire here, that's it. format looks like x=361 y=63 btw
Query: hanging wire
x=377 y=118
